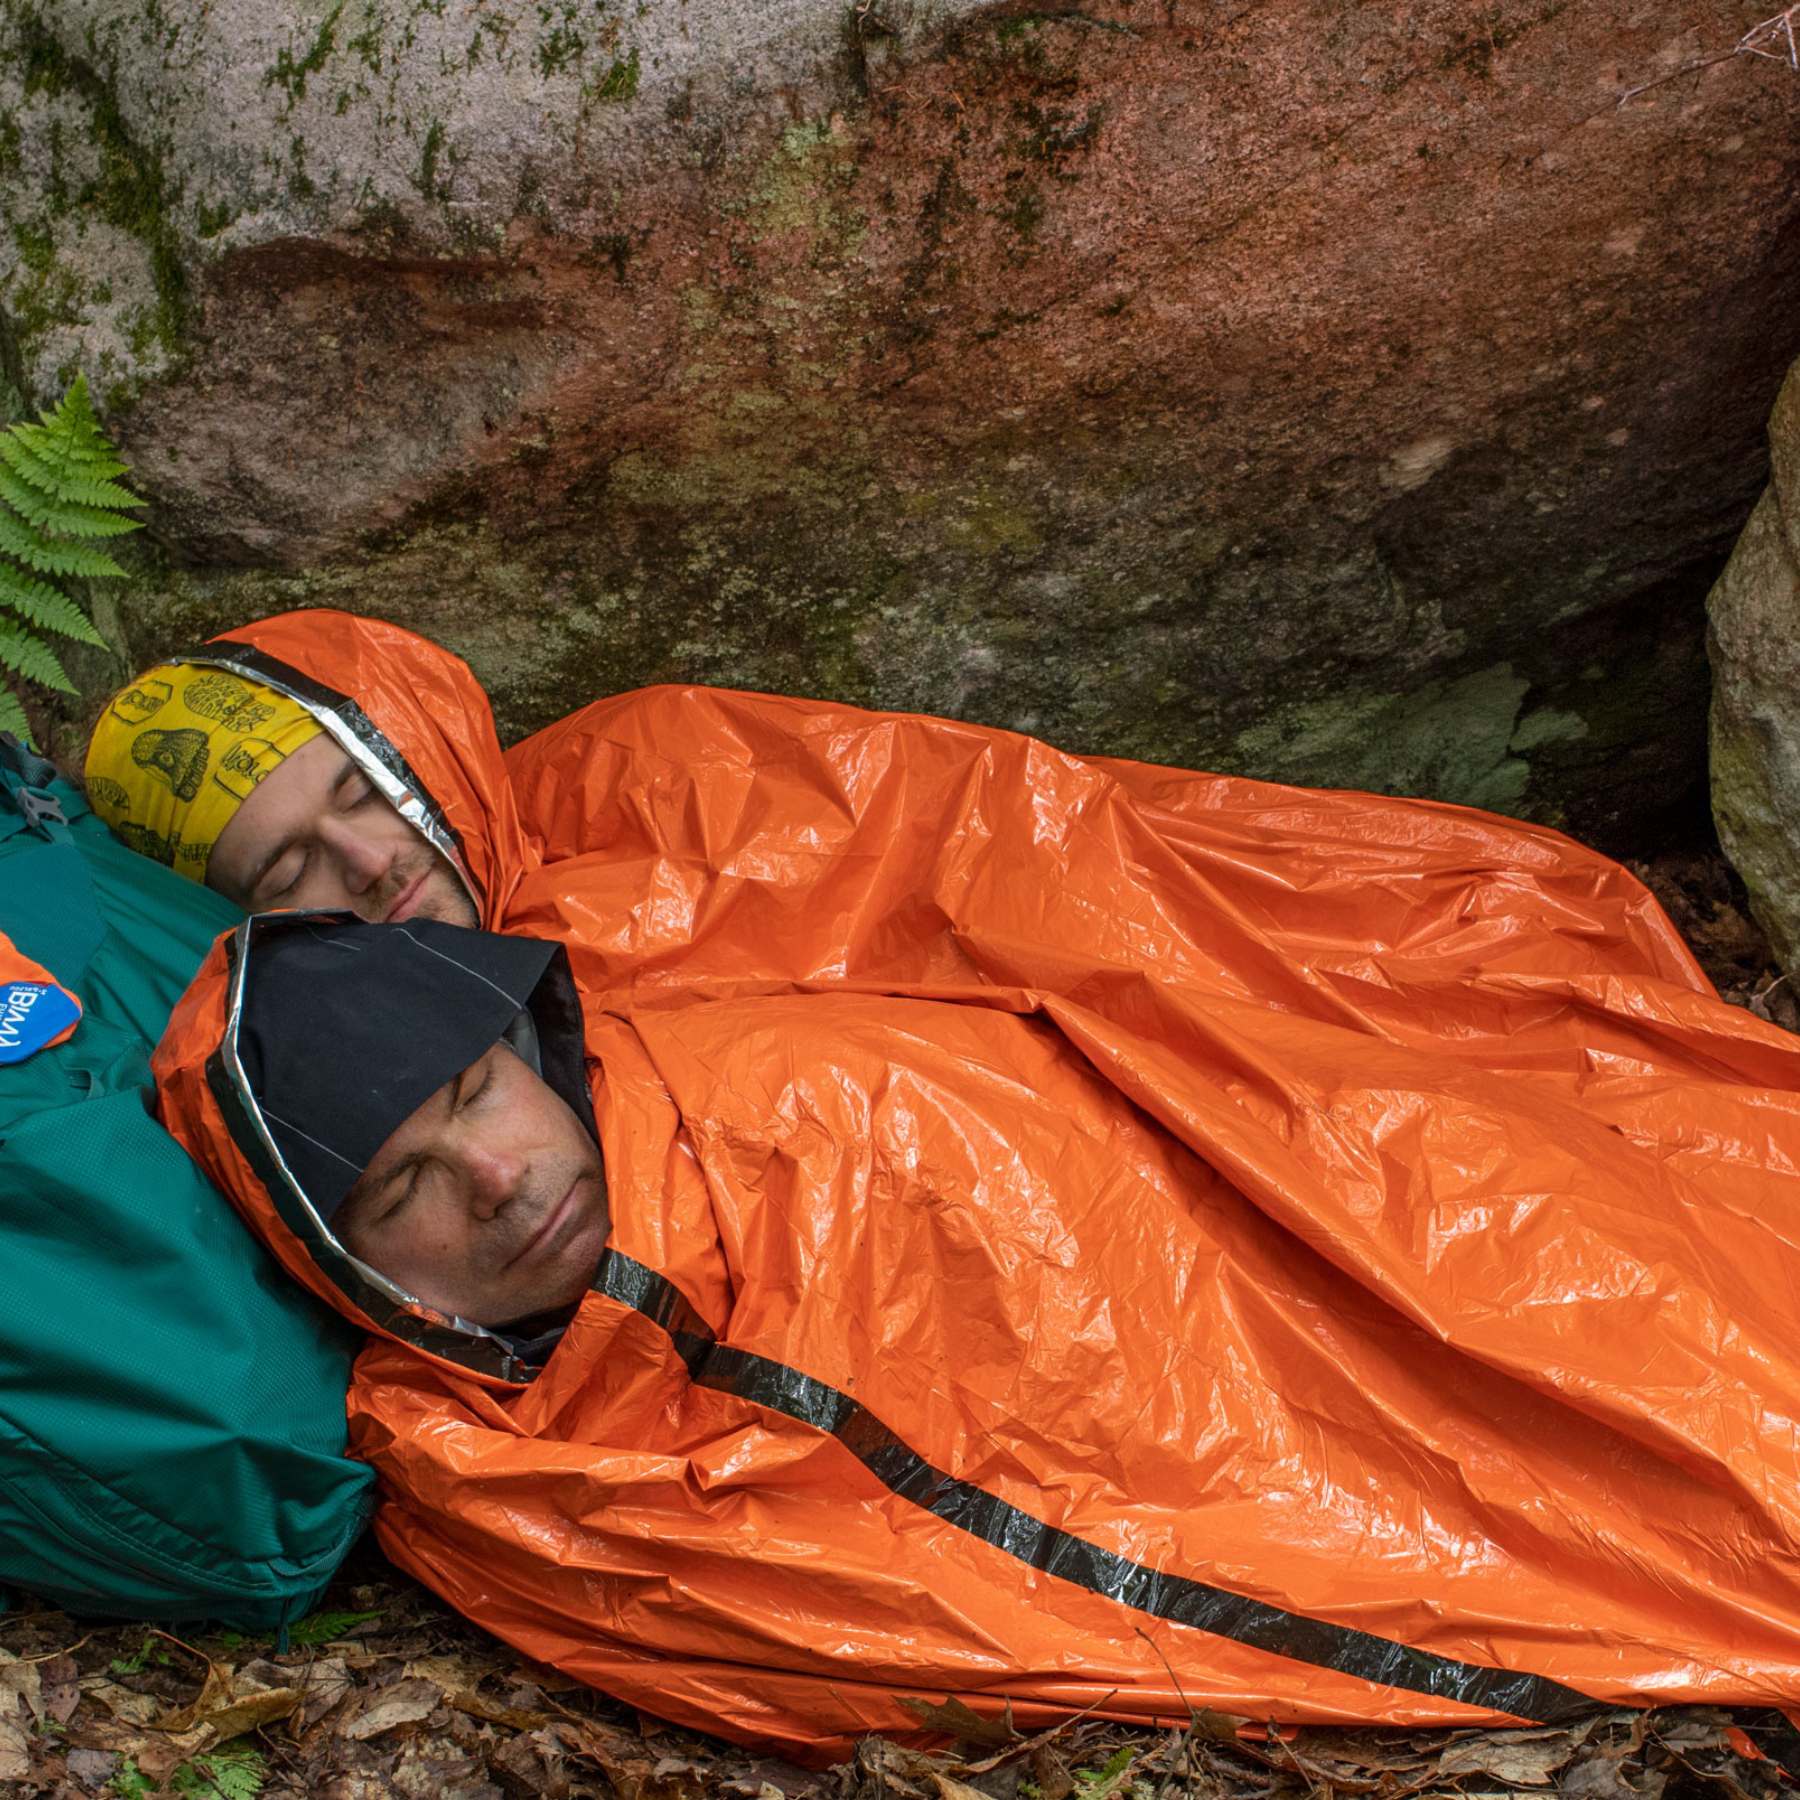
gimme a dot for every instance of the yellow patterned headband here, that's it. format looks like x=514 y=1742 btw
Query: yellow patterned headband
x=178 y=752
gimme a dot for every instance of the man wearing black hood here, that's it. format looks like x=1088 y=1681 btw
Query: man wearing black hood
x=459 y=1165
x=1157 y=1346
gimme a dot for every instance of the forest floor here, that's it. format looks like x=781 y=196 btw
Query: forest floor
x=385 y=1692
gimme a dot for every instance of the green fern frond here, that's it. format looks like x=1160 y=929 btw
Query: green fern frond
x=39 y=602
x=69 y=520
x=55 y=480
x=24 y=500
x=26 y=461
x=24 y=545
x=81 y=523
x=58 y=495
x=12 y=716
x=95 y=465
x=72 y=425
x=32 y=657
x=97 y=494
x=73 y=417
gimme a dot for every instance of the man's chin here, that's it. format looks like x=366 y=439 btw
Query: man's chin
x=453 y=908
x=559 y=1290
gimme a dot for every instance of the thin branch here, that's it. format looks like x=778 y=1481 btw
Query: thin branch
x=1780 y=27
x=181 y=1644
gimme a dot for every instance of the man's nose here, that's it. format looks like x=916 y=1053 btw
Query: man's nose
x=363 y=857
x=493 y=1178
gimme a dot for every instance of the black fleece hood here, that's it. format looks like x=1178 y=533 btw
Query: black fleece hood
x=338 y=1030
x=348 y=1028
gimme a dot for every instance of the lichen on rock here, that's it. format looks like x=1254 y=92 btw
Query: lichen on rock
x=1755 y=642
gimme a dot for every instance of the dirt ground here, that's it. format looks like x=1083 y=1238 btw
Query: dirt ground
x=384 y=1692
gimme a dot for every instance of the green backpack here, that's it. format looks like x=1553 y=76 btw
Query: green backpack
x=171 y=1405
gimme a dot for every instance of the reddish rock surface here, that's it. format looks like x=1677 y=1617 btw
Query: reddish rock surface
x=1354 y=394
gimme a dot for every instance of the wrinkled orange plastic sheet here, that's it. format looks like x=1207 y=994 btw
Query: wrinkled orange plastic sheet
x=1089 y=1235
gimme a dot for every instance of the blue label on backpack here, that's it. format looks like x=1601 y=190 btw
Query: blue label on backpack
x=31 y=1014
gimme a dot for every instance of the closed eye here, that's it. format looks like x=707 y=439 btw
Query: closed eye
x=407 y=1190
x=394 y=1192
x=283 y=879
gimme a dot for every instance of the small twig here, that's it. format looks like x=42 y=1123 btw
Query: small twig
x=1750 y=44
x=1193 y=1724
x=52 y=1655
x=1758 y=1003
x=181 y=1644
x=1025 y=1746
x=1181 y=1692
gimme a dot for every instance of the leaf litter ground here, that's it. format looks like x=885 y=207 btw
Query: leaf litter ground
x=384 y=1692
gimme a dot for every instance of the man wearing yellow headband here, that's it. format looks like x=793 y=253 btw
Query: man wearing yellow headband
x=235 y=784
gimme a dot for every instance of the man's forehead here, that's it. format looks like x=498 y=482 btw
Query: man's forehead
x=349 y=1031
x=284 y=802
x=292 y=785
x=416 y=1133
x=427 y=1119
x=424 y=1120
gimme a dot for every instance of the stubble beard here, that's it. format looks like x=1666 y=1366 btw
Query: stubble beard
x=443 y=898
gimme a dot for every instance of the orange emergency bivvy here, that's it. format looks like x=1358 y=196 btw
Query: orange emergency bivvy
x=1084 y=1235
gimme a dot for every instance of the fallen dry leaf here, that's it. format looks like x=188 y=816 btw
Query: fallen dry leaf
x=1520 y=1765
x=534 y=1761
x=356 y=1785
x=231 y=1702
x=420 y=1775
x=621 y=1757
x=1596 y=1775
x=1051 y=1774
x=679 y=1771
x=956 y=1719
x=457 y=1680
x=61 y=1678
x=1221 y=1728
x=323 y=1682
x=15 y=1739
x=93 y=1768
x=159 y=1756
x=24 y=1679
x=215 y=1691
x=449 y=1672
x=912 y=1774
x=949 y=1788
x=252 y=1710
x=402 y=1702
x=128 y=1707
x=1694 y=1728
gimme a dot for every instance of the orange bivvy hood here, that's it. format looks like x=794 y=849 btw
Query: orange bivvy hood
x=414 y=720
x=1090 y=1236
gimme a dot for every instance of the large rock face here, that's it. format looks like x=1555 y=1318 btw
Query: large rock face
x=1350 y=394
x=1756 y=692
